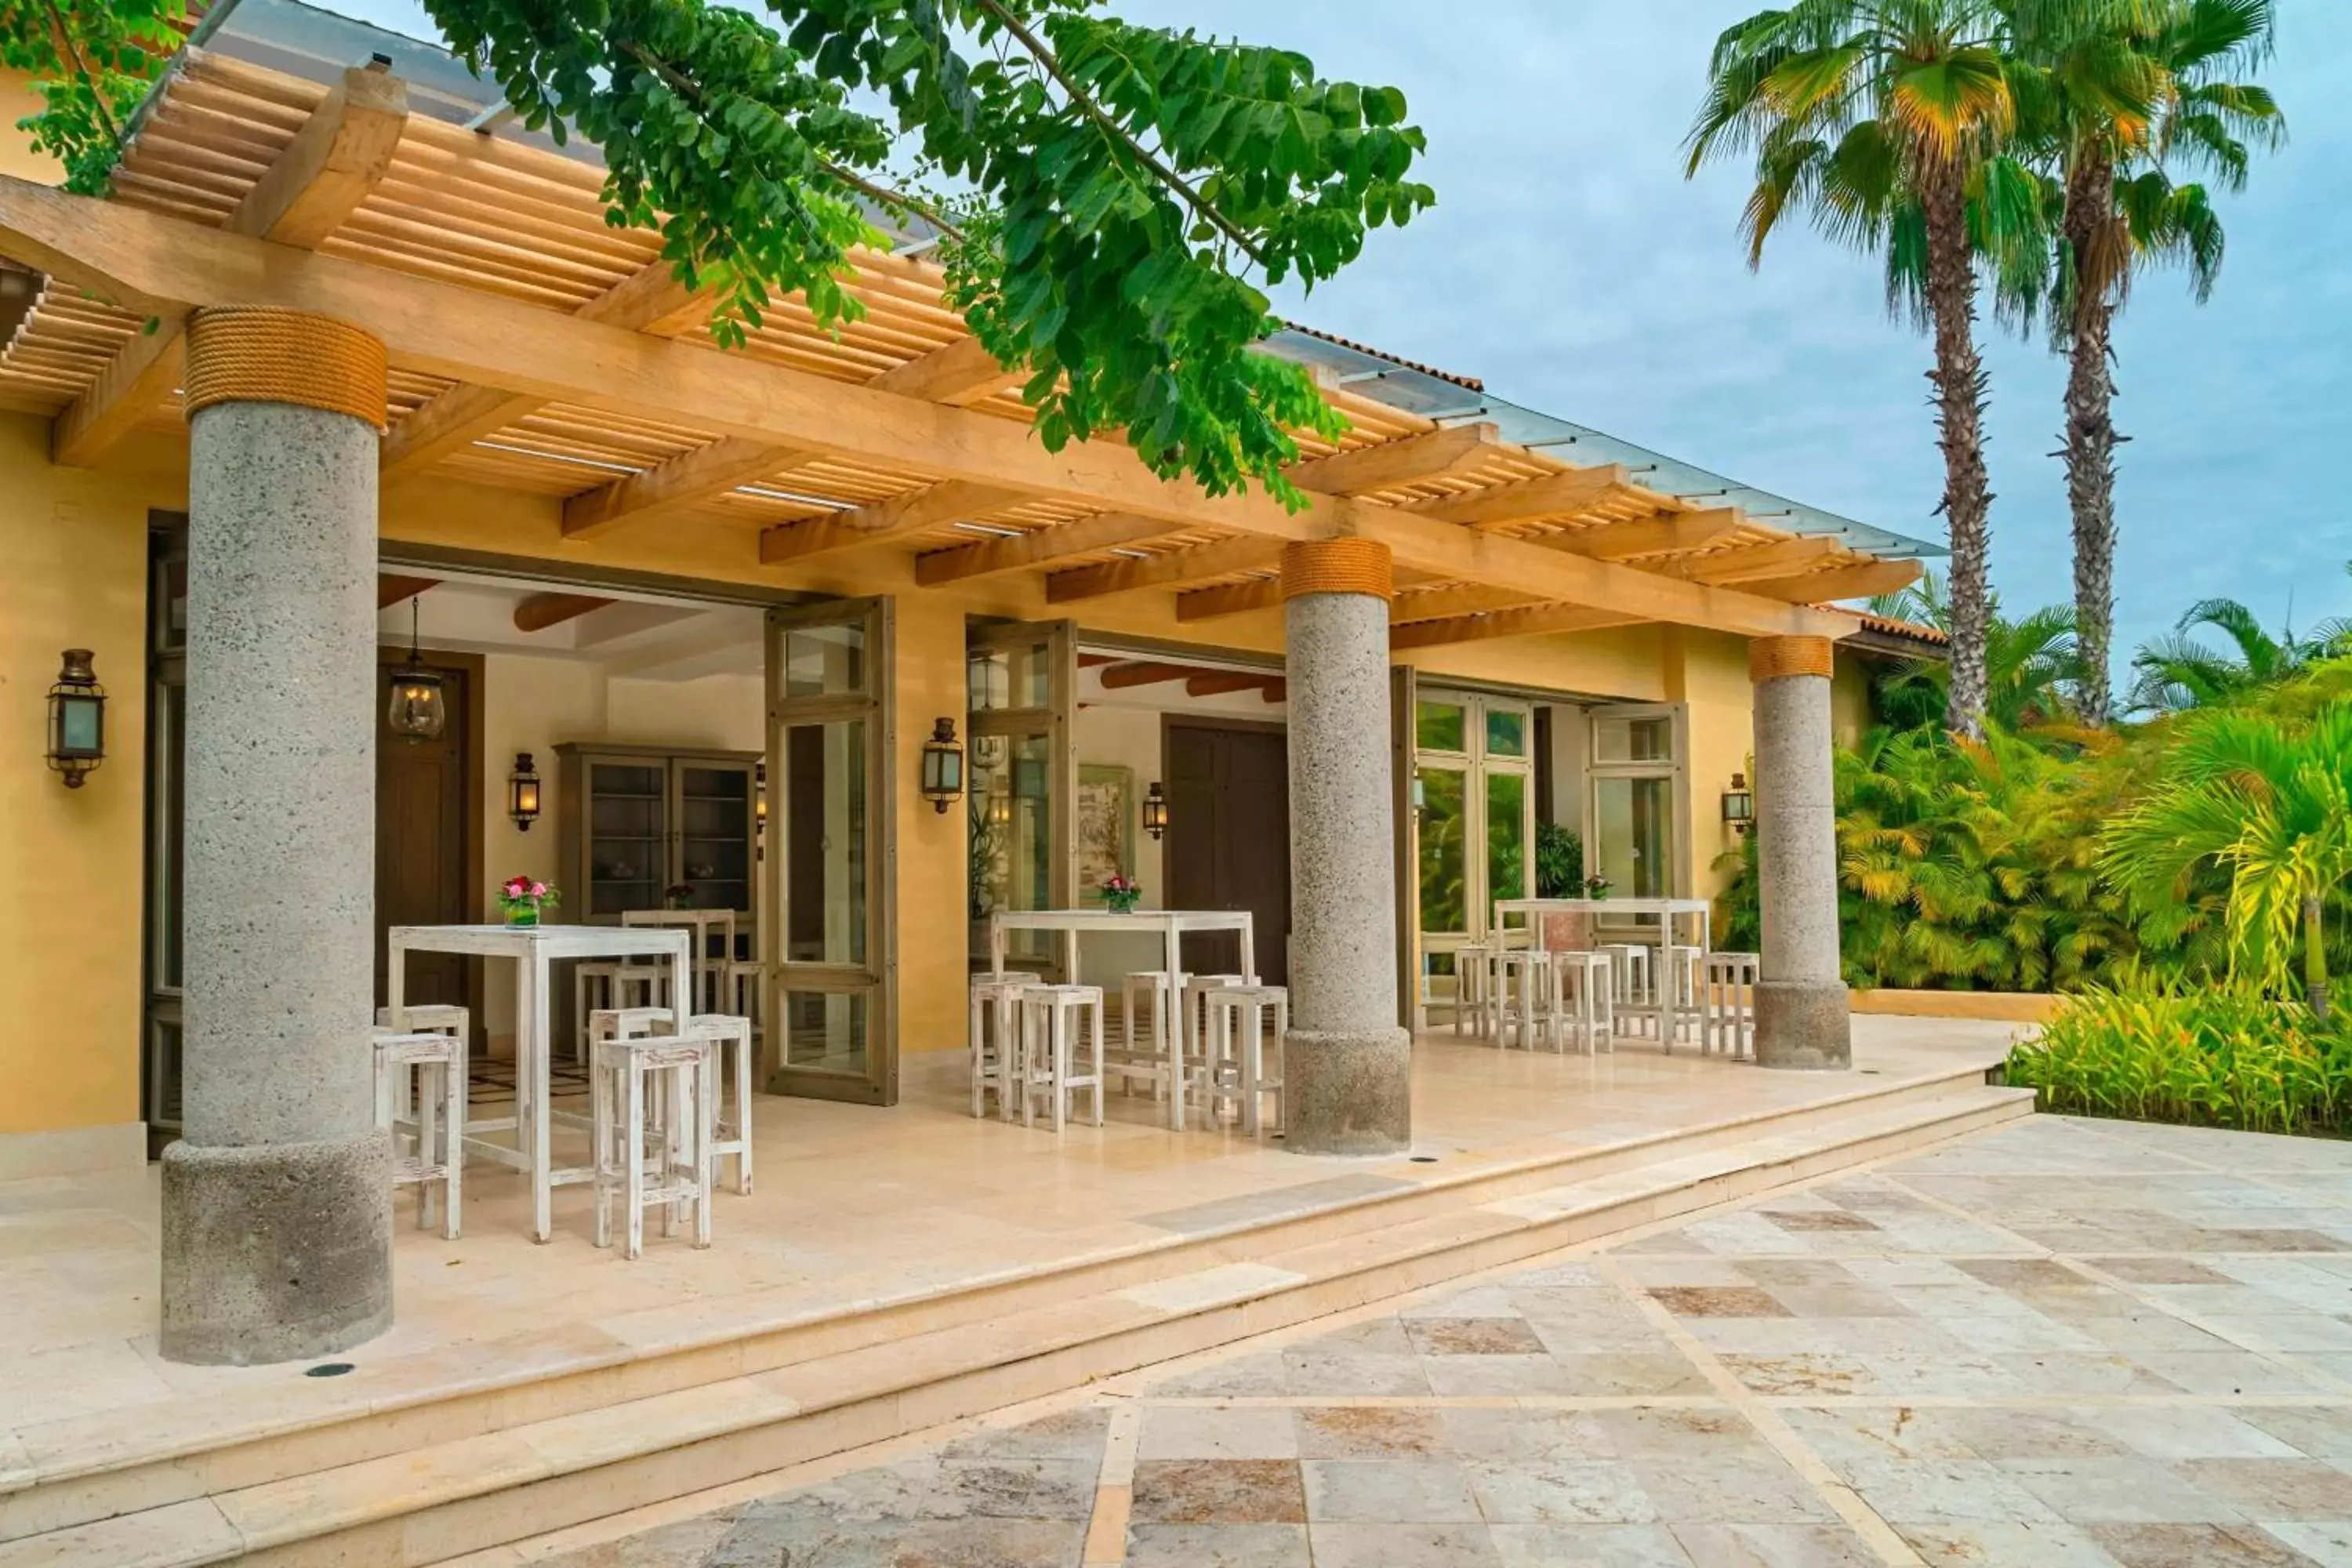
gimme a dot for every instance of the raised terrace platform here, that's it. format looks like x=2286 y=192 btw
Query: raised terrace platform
x=895 y=1269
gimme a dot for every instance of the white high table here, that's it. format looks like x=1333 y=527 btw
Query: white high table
x=1169 y=924
x=532 y=949
x=1668 y=911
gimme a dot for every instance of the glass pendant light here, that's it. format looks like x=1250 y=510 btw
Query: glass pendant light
x=416 y=708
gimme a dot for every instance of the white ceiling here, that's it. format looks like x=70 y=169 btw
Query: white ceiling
x=636 y=636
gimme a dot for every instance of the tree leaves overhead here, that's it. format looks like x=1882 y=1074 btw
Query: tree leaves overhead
x=1109 y=196
x=1111 y=199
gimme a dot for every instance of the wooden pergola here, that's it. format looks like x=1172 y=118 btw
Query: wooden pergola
x=537 y=349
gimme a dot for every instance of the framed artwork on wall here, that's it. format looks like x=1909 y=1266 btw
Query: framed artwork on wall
x=1106 y=826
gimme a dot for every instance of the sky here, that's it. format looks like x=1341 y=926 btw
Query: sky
x=1570 y=267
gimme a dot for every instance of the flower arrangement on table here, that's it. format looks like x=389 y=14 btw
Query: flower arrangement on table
x=522 y=899
x=678 y=895
x=1596 y=887
x=1122 y=893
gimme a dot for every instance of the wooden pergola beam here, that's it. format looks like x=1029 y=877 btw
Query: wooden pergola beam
x=1529 y=501
x=1859 y=581
x=1444 y=604
x=1167 y=570
x=1040 y=547
x=1229 y=599
x=151 y=262
x=1667 y=533
x=1413 y=459
x=390 y=590
x=959 y=373
x=894 y=518
x=1536 y=620
x=684 y=483
x=340 y=154
x=1759 y=561
x=540 y=611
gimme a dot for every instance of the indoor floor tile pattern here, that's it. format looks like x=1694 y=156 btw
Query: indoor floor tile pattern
x=2059 y=1342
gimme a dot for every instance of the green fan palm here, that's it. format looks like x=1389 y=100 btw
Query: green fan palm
x=1883 y=120
x=2269 y=800
x=2178 y=672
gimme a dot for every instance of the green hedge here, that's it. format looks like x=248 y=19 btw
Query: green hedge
x=2217 y=1056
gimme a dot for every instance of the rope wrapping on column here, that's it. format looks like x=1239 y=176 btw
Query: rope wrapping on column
x=1337 y=566
x=257 y=353
x=1770 y=658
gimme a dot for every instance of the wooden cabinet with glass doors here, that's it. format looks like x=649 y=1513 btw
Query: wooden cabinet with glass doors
x=648 y=828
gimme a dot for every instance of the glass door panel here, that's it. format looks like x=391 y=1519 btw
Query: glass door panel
x=824 y=933
x=1632 y=840
x=628 y=836
x=1444 y=851
x=1021 y=683
x=715 y=836
x=1507 y=836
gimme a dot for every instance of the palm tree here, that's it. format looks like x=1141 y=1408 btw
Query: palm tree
x=2271 y=802
x=1860 y=112
x=2110 y=92
x=2029 y=663
x=2178 y=671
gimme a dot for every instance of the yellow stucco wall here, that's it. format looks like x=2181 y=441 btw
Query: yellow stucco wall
x=70 y=860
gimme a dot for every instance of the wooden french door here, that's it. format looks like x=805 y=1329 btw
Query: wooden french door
x=1228 y=844
x=1022 y=682
x=826 y=933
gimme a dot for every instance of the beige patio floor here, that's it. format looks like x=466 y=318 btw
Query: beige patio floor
x=856 y=1204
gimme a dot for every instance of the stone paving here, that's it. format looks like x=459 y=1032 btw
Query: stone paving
x=2060 y=1342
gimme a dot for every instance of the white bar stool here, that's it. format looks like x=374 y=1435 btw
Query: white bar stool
x=1730 y=998
x=1472 y=975
x=603 y=985
x=1631 y=974
x=420 y=1092
x=730 y=1034
x=1235 y=1069
x=1525 y=990
x=1681 y=985
x=995 y=1040
x=1152 y=1059
x=1588 y=997
x=655 y=1099
x=1051 y=1017
x=1192 y=1038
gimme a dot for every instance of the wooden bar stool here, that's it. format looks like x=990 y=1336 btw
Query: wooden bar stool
x=1680 y=986
x=1631 y=974
x=1472 y=975
x=1191 y=1038
x=1587 y=997
x=1051 y=1018
x=1730 y=998
x=995 y=1040
x=653 y=1099
x=1234 y=1070
x=731 y=1133
x=1525 y=993
x=604 y=986
x=420 y=1093
x=1153 y=1058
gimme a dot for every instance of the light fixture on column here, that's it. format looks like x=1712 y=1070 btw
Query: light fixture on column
x=522 y=792
x=77 y=718
x=415 y=709
x=1739 y=806
x=942 y=766
x=1155 y=811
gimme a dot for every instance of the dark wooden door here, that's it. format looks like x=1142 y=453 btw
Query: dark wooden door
x=425 y=859
x=1228 y=844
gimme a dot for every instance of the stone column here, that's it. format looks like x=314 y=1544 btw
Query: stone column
x=277 y=1201
x=1800 y=1002
x=1347 y=1068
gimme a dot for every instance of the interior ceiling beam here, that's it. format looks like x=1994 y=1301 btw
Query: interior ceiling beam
x=1529 y=501
x=340 y=154
x=1168 y=569
x=1039 y=547
x=390 y=590
x=1665 y=534
x=540 y=611
x=651 y=299
x=1757 y=562
x=1536 y=620
x=1143 y=672
x=952 y=501
x=1859 y=581
x=1226 y=682
x=153 y=263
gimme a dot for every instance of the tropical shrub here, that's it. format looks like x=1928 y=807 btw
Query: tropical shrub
x=1559 y=861
x=2220 y=1055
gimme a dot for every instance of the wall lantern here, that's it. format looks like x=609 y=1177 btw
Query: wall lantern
x=999 y=808
x=416 y=708
x=942 y=766
x=1155 y=811
x=1739 y=806
x=76 y=719
x=522 y=792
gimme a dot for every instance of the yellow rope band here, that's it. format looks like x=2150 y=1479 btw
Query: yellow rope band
x=254 y=353
x=1769 y=658
x=1337 y=567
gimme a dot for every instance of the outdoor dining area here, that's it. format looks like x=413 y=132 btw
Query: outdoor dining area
x=1542 y=975
x=1211 y=1042
x=670 y=1069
